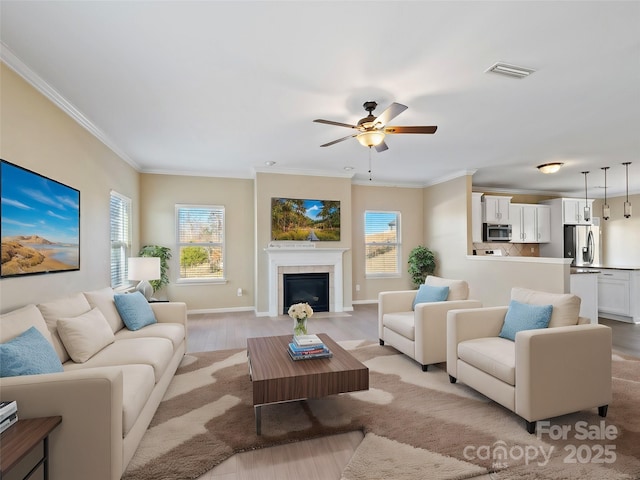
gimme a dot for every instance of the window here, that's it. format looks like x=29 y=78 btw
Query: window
x=200 y=231
x=120 y=214
x=382 y=243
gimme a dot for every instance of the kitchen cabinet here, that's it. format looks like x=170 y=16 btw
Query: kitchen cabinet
x=530 y=223
x=585 y=285
x=476 y=217
x=573 y=211
x=495 y=209
x=619 y=294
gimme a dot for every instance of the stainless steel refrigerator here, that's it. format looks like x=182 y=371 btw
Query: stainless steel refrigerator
x=582 y=243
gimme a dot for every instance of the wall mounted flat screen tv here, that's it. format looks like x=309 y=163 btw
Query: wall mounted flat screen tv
x=39 y=223
x=305 y=220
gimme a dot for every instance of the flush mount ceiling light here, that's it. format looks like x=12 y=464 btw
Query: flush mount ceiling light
x=269 y=163
x=371 y=138
x=550 y=167
x=513 y=71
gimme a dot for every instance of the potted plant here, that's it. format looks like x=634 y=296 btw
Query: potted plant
x=164 y=254
x=422 y=262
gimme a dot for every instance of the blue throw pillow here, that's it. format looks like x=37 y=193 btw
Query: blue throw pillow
x=134 y=310
x=523 y=316
x=28 y=354
x=429 y=293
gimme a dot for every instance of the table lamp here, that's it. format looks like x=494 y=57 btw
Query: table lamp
x=144 y=269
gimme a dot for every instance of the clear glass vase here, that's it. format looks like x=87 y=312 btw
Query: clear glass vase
x=300 y=326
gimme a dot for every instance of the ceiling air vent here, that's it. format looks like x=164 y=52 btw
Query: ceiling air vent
x=510 y=70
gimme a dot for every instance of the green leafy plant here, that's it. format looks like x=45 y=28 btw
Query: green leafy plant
x=164 y=253
x=422 y=262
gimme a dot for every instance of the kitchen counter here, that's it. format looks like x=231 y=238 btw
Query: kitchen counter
x=581 y=270
x=610 y=267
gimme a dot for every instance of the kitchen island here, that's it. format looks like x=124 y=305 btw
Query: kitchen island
x=618 y=292
x=584 y=283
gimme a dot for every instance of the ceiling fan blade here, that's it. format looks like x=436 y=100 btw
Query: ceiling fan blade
x=390 y=113
x=393 y=130
x=331 y=122
x=381 y=147
x=339 y=140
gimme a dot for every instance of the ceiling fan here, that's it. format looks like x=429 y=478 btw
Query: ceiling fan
x=372 y=130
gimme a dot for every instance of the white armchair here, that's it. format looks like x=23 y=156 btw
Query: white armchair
x=544 y=373
x=420 y=333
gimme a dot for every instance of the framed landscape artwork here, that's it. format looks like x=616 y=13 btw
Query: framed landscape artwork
x=40 y=223
x=302 y=219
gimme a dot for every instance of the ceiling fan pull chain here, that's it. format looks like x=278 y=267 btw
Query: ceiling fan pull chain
x=369 y=163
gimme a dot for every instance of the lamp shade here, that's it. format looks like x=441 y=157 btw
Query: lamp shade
x=144 y=268
x=372 y=138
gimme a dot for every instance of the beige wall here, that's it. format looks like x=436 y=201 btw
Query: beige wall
x=620 y=236
x=407 y=201
x=37 y=135
x=269 y=185
x=161 y=193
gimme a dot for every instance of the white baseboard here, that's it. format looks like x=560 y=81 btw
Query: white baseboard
x=220 y=310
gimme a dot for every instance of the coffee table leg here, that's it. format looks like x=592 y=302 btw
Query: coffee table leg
x=258 y=411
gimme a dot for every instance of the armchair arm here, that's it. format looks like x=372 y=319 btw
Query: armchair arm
x=399 y=301
x=431 y=328
x=88 y=442
x=562 y=370
x=470 y=323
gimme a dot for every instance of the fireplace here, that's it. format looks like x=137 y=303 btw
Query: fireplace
x=311 y=288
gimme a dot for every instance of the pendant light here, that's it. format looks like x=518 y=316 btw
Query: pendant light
x=587 y=210
x=606 y=211
x=627 y=204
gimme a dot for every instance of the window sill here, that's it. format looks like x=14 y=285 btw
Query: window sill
x=205 y=281
x=382 y=276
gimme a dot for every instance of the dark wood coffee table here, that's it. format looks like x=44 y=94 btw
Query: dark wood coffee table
x=277 y=378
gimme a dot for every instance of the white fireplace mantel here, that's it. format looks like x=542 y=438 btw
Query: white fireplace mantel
x=282 y=256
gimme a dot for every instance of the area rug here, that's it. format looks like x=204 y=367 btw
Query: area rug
x=417 y=425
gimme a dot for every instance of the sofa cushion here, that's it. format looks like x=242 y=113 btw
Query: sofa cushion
x=137 y=384
x=566 y=306
x=28 y=354
x=67 y=307
x=156 y=352
x=493 y=355
x=171 y=331
x=522 y=316
x=458 y=289
x=103 y=299
x=402 y=323
x=85 y=335
x=430 y=293
x=18 y=321
x=134 y=310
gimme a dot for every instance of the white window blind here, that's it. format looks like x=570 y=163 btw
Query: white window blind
x=200 y=239
x=382 y=243
x=120 y=215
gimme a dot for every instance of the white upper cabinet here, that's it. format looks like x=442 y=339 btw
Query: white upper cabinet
x=573 y=211
x=495 y=209
x=530 y=223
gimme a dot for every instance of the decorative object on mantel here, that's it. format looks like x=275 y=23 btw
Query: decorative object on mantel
x=606 y=211
x=627 y=203
x=552 y=167
x=291 y=245
x=300 y=312
x=587 y=210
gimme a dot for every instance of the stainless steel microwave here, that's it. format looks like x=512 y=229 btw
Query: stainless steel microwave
x=496 y=233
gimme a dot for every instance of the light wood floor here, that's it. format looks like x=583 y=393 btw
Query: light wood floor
x=323 y=458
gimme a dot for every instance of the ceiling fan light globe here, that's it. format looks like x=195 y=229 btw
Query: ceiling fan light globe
x=371 y=138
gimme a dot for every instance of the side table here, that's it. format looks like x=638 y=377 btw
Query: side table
x=20 y=439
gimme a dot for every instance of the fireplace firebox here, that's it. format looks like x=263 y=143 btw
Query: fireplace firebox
x=311 y=288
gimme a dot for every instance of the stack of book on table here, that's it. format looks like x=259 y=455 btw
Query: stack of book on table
x=8 y=414
x=306 y=347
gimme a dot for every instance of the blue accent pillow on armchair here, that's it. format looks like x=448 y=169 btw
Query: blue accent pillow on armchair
x=430 y=293
x=134 y=310
x=523 y=316
x=28 y=354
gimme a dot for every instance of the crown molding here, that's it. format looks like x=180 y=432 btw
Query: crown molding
x=36 y=81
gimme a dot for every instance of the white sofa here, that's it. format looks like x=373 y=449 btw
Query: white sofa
x=420 y=333
x=545 y=372
x=107 y=402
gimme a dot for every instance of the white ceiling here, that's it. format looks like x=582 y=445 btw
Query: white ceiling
x=219 y=88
